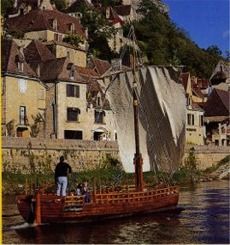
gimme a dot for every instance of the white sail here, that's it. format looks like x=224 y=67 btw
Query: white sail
x=161 y=118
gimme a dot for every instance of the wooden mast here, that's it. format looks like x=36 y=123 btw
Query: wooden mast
x=138 y=160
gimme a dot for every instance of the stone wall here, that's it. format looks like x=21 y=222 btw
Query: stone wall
x=208 y=155
x=31 y=154
x=26 y=154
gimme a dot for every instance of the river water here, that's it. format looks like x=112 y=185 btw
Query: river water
x=204 y=219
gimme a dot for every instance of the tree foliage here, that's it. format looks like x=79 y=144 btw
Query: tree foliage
x=6 y=5
x=73 y=39
x=99 y=31
x=60 y=4
x=164 y=43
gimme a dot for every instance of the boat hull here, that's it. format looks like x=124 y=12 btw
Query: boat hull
x=54 y=209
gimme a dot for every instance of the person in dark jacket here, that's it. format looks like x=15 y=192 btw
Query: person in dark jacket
x=61 y=173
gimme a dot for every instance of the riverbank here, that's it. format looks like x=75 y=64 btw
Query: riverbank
x=112 y=174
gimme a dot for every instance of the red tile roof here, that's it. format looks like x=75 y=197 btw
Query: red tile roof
x=218 y=103
x=59 y=69
x=10 y=54
x=37 y=52
x=196 y=90
x=87 y=72
x=38 y=20
x=100 y=66
x=196 y=106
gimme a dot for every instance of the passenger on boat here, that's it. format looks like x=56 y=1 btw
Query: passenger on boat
x=85 y=191
x=61 y=173
x=79 y=189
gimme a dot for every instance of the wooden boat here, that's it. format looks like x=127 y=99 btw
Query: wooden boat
x=49 y=208
x=107 y=203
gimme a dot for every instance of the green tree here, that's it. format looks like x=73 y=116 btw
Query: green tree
x=162 y=42
x=60 y=4
x=5 y=6
x=99 y=31
x=73 y=39
x=214 y=50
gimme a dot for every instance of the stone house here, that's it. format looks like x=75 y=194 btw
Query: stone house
x=23 y=95
x=70 y=115
x=46 y=25
x=76 y=55
x=217 y=113
x=98 y=105
x=221 y=73
x=195 y=130
x=22 y=7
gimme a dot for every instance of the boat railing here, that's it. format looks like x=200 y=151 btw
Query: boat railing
x=133 y=196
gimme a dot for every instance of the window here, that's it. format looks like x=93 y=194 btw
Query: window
x=201 y=120
x=73 y=114
x=71 y=75
x=190 y=119
x=22 y=115
x=72 y=91
x=99 y=116
x=98 y=101
x=20 y=66
x=73 y=134
x=22 y=84
x=70 y=27
x=54 y=24
x=38 y=70
x=55 y=37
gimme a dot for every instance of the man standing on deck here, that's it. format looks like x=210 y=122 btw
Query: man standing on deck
x=61 y=172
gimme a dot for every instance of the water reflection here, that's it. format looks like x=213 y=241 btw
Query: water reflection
x=204 y=220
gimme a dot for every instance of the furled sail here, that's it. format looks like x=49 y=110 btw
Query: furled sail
x=161 y=118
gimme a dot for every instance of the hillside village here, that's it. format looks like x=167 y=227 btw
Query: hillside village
x=53 y=87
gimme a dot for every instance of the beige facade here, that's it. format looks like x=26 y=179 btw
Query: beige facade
x=45 y=35
x=195 y=130
x=24 y=100
x=76 y=56
x=86 y=126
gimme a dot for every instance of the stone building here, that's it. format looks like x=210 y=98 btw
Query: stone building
x=23 y=95
x=76 y=55
x=195 y=130
x=217 y=117
x=46 y=25
x=22 y=7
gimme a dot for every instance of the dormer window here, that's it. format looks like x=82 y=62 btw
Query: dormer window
x=71 y=27
x=107 y=14
x=38 y=70
x=71 y=69
x=71 y=75
x=19 y=61
x=53 y=23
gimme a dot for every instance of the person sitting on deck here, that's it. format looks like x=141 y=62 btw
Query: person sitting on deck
x=79 y=189
x=82 y=189
x=85 y=191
